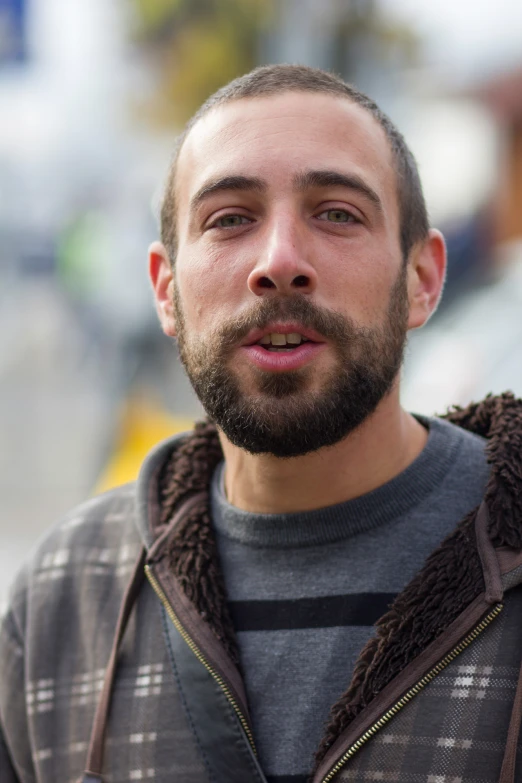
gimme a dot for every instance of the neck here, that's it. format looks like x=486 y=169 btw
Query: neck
x=381 y=448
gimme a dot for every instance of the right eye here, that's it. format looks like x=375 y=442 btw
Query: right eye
x=230 y=221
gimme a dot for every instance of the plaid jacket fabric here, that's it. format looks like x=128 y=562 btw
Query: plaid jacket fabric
x=55 y=644
x=455 y=730
x=56 y=637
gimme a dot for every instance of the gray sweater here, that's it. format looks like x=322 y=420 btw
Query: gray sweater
x=305 y=589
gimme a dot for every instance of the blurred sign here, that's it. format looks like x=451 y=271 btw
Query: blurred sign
x=13 y=40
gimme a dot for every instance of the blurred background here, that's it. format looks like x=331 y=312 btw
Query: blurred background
x=92 y=95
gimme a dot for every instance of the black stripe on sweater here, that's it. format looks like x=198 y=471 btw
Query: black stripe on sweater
x=324 y=612
x=287 y=778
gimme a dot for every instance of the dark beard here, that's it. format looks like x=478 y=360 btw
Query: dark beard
x=283 y=418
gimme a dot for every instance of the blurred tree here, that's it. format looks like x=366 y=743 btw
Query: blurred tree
x=362 y=36
x=197 y=46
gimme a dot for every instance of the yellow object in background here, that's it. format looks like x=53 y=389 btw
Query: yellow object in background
x=144 y=423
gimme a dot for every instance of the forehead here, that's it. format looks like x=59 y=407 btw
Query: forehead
x=276 y=136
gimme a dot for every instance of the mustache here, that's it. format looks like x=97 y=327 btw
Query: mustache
x=328 y=323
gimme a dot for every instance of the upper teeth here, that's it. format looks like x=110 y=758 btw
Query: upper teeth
x=293 y=338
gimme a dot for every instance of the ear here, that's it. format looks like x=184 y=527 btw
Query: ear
x=162 y=279
x=426 y=274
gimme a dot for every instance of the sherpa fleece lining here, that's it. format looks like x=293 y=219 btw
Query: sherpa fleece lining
x=449 y=581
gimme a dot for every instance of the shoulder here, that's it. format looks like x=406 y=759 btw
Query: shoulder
x=465 y=455
x=88 y=554
x=97 y=531
x=462 y=443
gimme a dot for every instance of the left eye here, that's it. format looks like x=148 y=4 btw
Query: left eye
x=336 y=216
x=231 y=221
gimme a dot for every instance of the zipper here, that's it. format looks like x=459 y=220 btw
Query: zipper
x=199 y=655
x=413 y=691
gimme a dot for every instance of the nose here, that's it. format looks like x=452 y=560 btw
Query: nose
x=284 y=264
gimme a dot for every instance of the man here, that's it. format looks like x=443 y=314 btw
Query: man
x=295 y=256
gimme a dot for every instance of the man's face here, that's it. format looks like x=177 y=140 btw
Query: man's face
x=288 y=224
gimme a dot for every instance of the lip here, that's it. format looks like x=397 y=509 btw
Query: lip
x=281 y=328
x=273 y=361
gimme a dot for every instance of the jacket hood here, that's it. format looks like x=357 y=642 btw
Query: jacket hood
x=180 y=470
x=148 y=493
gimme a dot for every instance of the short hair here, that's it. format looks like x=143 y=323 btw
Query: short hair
x=275 y=79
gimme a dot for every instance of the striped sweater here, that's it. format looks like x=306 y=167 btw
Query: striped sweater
x=305 y=589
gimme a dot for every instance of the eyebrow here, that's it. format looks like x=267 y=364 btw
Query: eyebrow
x=327 y=179
x=223 y=184
x=308 y=179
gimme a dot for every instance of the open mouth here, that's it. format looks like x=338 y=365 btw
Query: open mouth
x=289 y=347
x=282 y=343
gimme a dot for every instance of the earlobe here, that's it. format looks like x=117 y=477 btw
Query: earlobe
x=162 y=279
x=426 y=274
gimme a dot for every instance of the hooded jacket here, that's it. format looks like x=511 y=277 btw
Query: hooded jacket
x=118 y=655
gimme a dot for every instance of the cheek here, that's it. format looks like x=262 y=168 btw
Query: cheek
x=361 y=285
x=208 y=285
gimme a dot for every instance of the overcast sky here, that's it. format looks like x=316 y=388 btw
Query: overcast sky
x=473 y=36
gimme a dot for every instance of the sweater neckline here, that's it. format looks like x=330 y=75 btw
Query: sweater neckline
x=334 y=523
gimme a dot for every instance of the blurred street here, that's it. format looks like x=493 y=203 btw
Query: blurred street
x=59 y=417
x=51 y=415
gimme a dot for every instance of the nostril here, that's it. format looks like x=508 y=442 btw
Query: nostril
x=301 y=281
x=265 y=282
